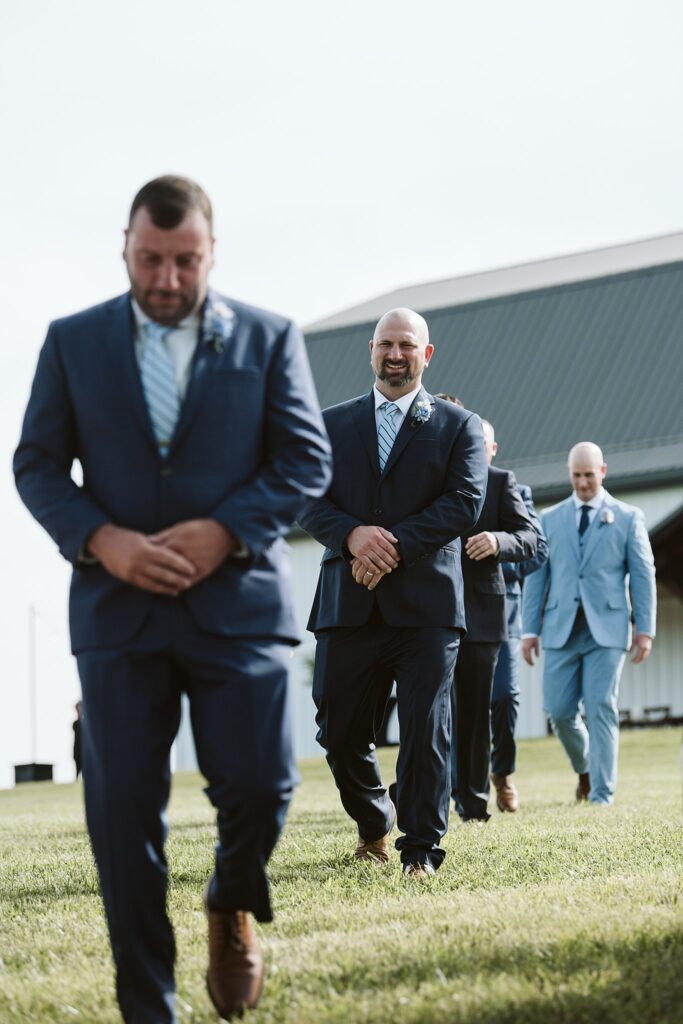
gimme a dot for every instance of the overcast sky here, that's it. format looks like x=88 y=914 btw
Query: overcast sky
x=348 y=149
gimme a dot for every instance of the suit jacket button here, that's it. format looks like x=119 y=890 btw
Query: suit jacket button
x=166 y=471
x=378 y=511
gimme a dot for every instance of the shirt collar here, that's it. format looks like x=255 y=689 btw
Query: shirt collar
x=595 y=502
x=190 y=322
x=403 y=403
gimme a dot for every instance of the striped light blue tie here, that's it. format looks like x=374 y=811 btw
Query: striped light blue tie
x=386 y=431
x=159 y=384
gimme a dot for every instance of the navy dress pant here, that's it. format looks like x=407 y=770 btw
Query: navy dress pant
x=354 y=670
x=505 y=696
x=471 y=748
x=237 y=688
x=505 y=708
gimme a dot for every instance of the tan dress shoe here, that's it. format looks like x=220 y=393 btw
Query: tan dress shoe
x=378 y=850
x=418 y=872
x=583 y=787
x=507 y=798
x=234 y=979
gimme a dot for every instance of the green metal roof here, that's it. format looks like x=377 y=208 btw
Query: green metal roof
x=599 y=360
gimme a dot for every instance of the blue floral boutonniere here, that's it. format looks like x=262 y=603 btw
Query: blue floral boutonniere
x=218 y=324
x=606 y=517
x=422 y=412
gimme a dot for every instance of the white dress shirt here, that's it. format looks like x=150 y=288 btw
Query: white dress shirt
x=593 y=505
x=402 y=404
x=181 y=341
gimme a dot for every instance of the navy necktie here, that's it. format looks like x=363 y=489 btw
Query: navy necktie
x=584 y=520
x=160 y=385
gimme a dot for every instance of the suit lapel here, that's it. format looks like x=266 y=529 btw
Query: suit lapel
x=364 y=418
x=571 y=528
x=408 y=430
x=595 y=530
x=207 y=356
x=120 y=345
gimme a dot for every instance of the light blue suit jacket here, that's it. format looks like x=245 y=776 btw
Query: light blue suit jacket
x=615 y=569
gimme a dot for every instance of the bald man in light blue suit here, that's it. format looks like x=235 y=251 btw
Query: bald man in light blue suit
x=600 y=566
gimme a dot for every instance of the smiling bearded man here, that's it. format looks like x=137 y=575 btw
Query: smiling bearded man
x=409 y=480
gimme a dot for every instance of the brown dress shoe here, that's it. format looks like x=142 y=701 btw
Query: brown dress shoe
x=583 y=787
x=235 y=976
x=418 y=872
x=507 y=798
x=378 y=849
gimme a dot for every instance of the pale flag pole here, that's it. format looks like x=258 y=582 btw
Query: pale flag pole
x=32 y=681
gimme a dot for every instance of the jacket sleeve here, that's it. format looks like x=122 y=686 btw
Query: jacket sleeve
x=519 y=570
x=45 y=454
x=516 y=537
x=327 y=524
x=641 y=568
x=458 y=508
x=534 y=596
x=296 y=462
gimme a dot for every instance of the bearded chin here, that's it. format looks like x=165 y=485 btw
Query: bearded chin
x=401 y=382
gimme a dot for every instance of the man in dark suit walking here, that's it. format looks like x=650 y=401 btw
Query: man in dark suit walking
x=502 y=532
x=409 y=480
x=505 y=695
x=197 y=428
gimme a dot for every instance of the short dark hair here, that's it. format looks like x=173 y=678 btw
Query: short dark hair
x=450 y=398
x=169 y=199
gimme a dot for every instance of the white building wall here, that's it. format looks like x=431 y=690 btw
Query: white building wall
x=657 y=682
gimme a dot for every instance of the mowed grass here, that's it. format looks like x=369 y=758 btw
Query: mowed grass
x=561 y=913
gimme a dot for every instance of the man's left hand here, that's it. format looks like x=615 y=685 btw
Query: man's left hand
x=482 y=545
x=203 y=541
x=640 y=648
x=366 y=578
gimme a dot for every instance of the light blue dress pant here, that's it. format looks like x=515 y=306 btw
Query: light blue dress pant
x=584 y=671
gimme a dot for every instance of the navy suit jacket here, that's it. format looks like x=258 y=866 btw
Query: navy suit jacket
x=430 y=493
x=505 y=516
x=248 y=450
x=515 y=572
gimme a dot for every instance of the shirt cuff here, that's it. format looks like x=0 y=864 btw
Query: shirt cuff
x=529 y=636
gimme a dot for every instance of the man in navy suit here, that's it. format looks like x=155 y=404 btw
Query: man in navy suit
x=502 y=532
x=505 y=695
x=409 y=480
x=195 y=421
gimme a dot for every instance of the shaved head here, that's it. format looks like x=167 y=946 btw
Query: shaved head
x=399 y=352
x=586 y=469
x=490 y=443
x=586 y=451
x=403 y=317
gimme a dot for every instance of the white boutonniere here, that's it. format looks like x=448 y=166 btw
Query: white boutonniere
x=218 y=324
x=422 y=412
x=607 y=516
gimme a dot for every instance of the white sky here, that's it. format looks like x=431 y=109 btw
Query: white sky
x=348 y=149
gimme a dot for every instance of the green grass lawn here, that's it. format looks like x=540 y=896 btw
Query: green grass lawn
x=561 y=913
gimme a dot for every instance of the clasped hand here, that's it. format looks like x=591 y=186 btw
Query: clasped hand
x=168 y=562
x=375 y=554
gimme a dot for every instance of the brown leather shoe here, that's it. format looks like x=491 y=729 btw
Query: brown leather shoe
x=378 y=849
x=507 y=798
x=234 y=979
x=418 y=872
x=583 y=787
